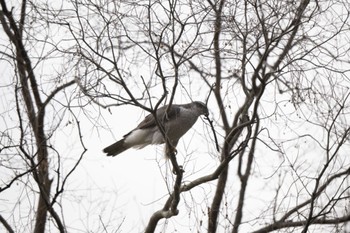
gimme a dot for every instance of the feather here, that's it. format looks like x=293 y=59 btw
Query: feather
x=150 y=121
x=115 y=148
x=177 y=120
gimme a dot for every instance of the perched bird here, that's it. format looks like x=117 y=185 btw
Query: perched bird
x=178 y=120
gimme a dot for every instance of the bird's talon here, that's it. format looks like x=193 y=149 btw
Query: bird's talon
x=181 y=169
x=171 y=151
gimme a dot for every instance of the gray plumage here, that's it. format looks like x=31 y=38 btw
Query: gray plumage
x=179 y=120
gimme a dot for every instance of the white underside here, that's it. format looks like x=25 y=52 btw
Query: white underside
x=140 y=138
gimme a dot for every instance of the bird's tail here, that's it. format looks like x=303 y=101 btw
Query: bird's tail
x=115 y=148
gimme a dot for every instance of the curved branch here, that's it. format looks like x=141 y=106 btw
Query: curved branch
x=6 y=224
x=281 y=225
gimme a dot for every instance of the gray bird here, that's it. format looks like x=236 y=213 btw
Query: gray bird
x=179 y=120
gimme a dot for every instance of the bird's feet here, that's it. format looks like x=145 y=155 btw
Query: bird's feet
x=170 y=151
x=181 y=169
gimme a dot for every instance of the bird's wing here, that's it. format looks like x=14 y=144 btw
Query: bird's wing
x=149 y=120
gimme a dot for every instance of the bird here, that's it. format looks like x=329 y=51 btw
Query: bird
x=176 y=120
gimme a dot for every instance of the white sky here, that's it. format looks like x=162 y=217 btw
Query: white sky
x=104 y=192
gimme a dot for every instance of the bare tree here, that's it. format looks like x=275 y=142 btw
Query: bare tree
x=276 y=79
x=31 y=143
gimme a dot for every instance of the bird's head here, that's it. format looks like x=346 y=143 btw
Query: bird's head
x=201 y=108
